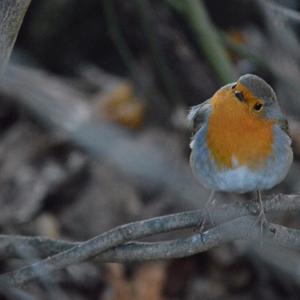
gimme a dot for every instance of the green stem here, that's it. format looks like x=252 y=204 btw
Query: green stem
x=207 y=37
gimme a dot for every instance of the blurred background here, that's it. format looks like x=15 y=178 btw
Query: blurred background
x=94 y=134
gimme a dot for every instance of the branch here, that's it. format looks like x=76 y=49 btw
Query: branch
x=10 y=245
x=11 y=17
x=64 y=110
x=243 y=228
x=284 y=12
x=105 y=246
x=100 y=244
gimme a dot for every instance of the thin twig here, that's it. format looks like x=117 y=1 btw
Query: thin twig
x=98 y=245
x=239 y=228
x=10 y=245
x=285 y=12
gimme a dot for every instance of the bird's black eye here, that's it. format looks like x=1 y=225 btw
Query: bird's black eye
x=234 y=86
x=239 y=95
x=258 y=106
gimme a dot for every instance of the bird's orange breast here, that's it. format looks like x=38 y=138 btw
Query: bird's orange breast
x=235 y=137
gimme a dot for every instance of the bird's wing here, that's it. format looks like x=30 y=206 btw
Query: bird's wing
x=198 y=114
x=284 y=125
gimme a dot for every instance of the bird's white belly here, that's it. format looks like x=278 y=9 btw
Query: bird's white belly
x=240 y=178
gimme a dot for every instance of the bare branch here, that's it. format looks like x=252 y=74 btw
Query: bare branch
x=284 y=12
x=11 y=17
x=100 y=244
x=243 y=228
x=111 y=245
x=10 y=245
x=63 y=109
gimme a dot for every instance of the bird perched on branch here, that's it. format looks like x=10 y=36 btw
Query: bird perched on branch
x=241 y=142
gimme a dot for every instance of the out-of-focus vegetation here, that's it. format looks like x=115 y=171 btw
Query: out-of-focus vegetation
x=94 y=134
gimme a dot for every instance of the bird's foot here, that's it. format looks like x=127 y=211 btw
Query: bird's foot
x=261 y=221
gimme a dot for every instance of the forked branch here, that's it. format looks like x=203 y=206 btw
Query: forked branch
x=117 y=245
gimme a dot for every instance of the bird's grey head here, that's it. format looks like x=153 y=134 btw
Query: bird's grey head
x=262 y=90
x=259 y=88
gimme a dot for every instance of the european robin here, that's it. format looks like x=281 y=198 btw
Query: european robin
x=241 y=142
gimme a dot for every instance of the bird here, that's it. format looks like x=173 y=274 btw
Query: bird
x=240 y=140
